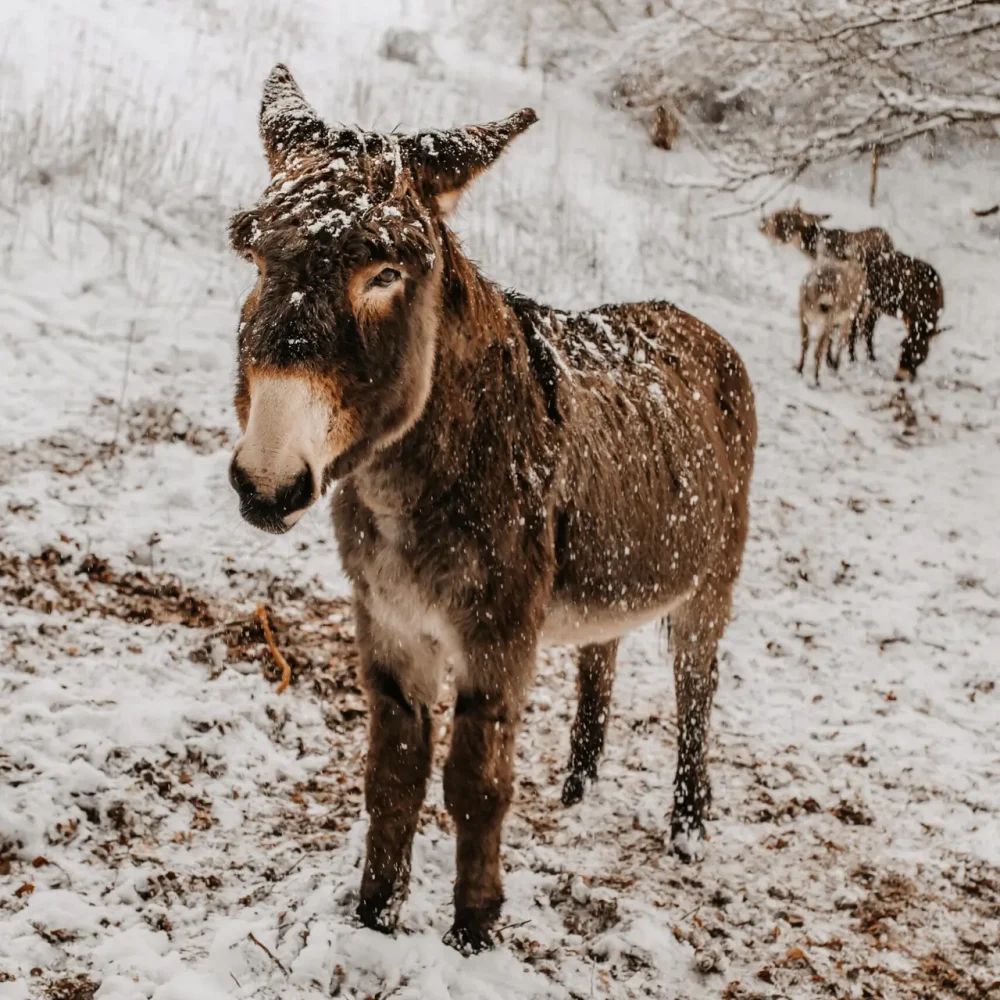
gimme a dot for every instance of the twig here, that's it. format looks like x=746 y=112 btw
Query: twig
x=689 y=913
x=286 y=670
x=121 y=396
x=981 y=213
x=512 y=927
x=267 y=951
x=298 y=861
x=598 y=6
x=235 y=980
x=891 y=640
x=873 y=184
x=818 y=409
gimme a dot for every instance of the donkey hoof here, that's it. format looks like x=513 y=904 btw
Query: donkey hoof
x=688 y=842
x=470 y=933
x=575 y=786
x=377 y=916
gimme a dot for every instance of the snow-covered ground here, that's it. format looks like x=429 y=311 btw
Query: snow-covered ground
x=171 y=827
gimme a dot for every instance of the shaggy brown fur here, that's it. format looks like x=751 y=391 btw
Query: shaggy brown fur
x=804 y=230
x=831 y=296
x=666 y=127
x=898 y=285
x=516 y=475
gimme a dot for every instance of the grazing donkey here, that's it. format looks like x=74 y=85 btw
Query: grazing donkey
x=507 y=474
x=804 y=230
x=898 y=285
x=832 y=294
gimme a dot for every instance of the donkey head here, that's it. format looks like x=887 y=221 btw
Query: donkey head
x=337 y=339
x=789 y=225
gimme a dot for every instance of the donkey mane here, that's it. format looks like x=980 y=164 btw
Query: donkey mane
x=468 y=295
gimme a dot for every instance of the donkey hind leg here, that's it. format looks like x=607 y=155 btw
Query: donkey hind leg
x=698 y=626
x=852 y=336
x=399 y=765
x=596 y=677
x=867 y=328
x=804 y=333
x=822 y=347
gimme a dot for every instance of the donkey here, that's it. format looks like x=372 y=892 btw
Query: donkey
x=898 y=285
x=506 y=474
x=831 y=296
x=804 y=230
x=908 y=288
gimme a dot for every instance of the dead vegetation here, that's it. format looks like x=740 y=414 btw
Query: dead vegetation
x=902 y=411
x=80 y=987
x=313 y=635
x=105 y=434
x=840 y=80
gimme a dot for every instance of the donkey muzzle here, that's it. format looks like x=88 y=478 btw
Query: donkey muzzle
x=272 y=510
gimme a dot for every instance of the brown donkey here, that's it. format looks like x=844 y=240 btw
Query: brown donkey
x=507 y=474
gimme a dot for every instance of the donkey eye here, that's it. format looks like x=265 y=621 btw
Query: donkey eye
x=386 y=277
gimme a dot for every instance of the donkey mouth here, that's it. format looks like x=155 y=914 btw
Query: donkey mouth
x=278 y=513
x=271 y=521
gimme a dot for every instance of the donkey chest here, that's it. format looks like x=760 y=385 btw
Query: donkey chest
x=409 y=601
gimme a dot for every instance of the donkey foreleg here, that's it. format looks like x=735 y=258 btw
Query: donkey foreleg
x=866 y=325
x=804 y=333
x=822 y=348
x=840 y=337
x=478 y=787
x=400 y=746
x=595 y=679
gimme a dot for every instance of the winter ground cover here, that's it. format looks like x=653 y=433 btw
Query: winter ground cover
x=172 y=827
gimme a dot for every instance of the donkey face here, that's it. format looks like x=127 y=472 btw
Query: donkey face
x=788 y=225
x=337 y=339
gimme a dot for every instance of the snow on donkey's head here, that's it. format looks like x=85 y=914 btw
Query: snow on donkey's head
x=355 y=270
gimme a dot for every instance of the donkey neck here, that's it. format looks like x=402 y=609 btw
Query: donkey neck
x=811 y=234
x=481 y=376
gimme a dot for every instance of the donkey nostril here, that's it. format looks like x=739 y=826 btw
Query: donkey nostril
x=241 y=482
x=298 y=495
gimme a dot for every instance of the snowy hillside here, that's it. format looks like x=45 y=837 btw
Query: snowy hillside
x=171 y=827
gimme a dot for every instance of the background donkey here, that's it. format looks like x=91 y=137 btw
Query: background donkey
x=897 y=284
x=805 y=230
x=508 y=474
x=831 y=296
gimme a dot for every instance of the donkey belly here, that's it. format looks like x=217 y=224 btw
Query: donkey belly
x=582 y=624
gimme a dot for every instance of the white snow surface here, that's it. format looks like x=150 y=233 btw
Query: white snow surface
x=156 y=810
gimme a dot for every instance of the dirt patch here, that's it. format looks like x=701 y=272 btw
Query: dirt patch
x=888 y=898
x=148 y=422
x=54 y=581
x=80 y=987
x=586 y=909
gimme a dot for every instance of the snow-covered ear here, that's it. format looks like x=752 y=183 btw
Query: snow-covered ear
x=288 y=124
x=444 y=163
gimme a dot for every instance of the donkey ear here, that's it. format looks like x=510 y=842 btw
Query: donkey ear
x=444 y=163
x=287 y=121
